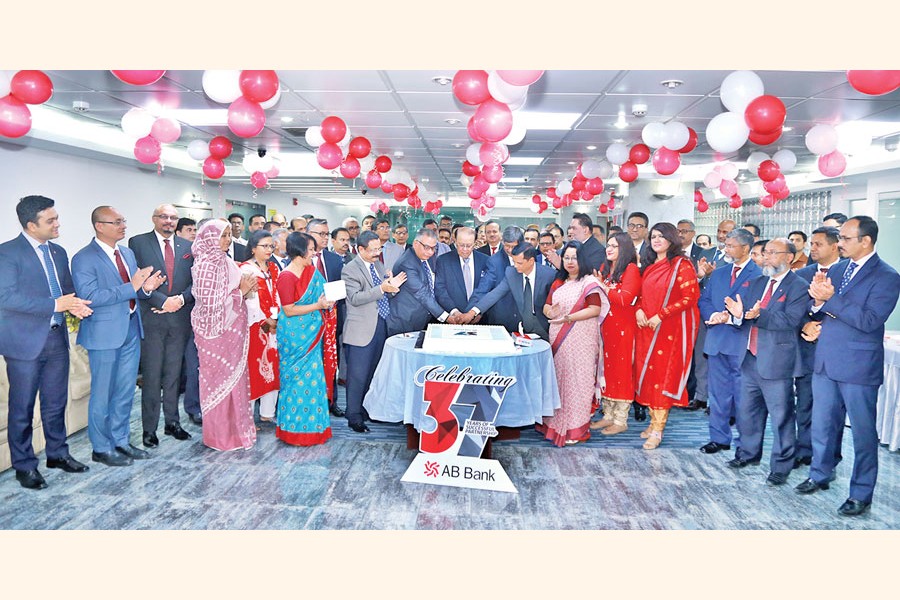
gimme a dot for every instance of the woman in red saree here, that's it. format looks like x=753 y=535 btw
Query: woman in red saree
x=575 y=306
x=667 y=320
x=620 y=278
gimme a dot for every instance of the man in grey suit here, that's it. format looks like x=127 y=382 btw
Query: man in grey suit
x=365 y=328
x=391 y=251
x=166 y=316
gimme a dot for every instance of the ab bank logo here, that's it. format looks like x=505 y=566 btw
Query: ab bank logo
x=432 y=468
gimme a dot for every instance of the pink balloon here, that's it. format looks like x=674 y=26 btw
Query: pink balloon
x=350 y=167
x=373 y=179
x=611 y=204
x=557 y=203
x=329 y=155
x=246 y=118
x=273 y=172
x=166 y=131
x=492 y=154
x=520 y=78
x=31 y=87
x=387 y=187
x=832 y=164
x=492 y=174
x=374 y=206
x=15 y=118
x=258 y=86
x=333 y=129
x=493 y=120
x=702 y=206
x=712 y=180
x=728 y=188
x=628 y=172
x=470 y=128
x=259 y=180
x=147 y=150
x=767 y=201
x=490 y=202
x=470 y=87
x=213 y=167
x=139 y=77
x=551 y=193
x=666 y=161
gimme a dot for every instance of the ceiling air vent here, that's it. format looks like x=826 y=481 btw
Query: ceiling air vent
x=295 y=131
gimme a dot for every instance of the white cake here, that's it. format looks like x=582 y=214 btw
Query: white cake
x=467 y=339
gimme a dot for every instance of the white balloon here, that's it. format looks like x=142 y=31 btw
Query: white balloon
x=617 y=153
x=754 y=160
x=675 y=135
x=272 y=101
x=603 y=197
x=729 y=170
x=745 y=190
x=563 y=188
x=712 y=179
x=251 y=163
x=137 y=123
x=472 y=154
x=653 y=135
x=366 y=164
x=852 y=139
x=504 y=92
x=222 y=86
x=345 y=142
x=708 y=195
x=517 y=105
x=727 y=132
x=265 y=163
x=606 y=170
x=314 y=137
x=591 y=169
x=492 y=190
x=4 y=84
x=739 y=89
x=198 y=150
x=822 y=139
x=516 y=134
x=786 y=159
x=534 y=207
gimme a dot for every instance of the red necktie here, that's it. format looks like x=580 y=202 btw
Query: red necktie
x=734 y=272
x=321 y=265
x=823 y=269
x=754 y=331
x=170 y=263
x=494 y=249
x=123 y=273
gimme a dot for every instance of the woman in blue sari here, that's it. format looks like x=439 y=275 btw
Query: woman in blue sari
x=302 y=418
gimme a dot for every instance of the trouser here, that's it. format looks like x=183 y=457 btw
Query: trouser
x=724 y=396
x=267 y=404
x=162 y=356
x=803 y=409
x=762 y=398
x=698 y=377
x=361 y=364
x=113 y=376
x=191 y=376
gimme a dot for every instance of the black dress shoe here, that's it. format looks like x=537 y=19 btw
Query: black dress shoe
x=134 y=452
x=335 y=410
x=640 y=412
x=112 y=459
x=810 y=487
x=713 y=447
x=731 y=421
x=359 y=427
x=196 y=419
x=67 y=464
x=150 y=440
x=854 y=508
x=695 y=405
x=802 y=460
x=177 y=432
x=32 y=479
x=739 y=463
x=775 y=479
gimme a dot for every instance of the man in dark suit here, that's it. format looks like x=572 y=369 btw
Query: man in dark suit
x=769 y=315
x=529 y=286
x=415 y=305
x=279 y=257
x=106 y=273
x=581 y=231
x=545 y=247
x=497 y=264
x=724 y=344
x=36 y=290
x=458 y=273
x=686 y=232
x=166 y=318
x=491 y=238
x=238 y=250
x=856 y=298
x=638 y=228
x=340 y=244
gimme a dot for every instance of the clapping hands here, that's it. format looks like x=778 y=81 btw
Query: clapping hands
x=76 y=306
x=821 y=289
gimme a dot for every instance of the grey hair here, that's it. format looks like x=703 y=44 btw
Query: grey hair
x=280 y=231
x=512 y=234
x=686 y=222
x=314 y=222
x=743 y=237
x=426 y=233
x=347 y=220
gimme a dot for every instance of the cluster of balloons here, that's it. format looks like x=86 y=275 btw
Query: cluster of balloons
x=212 y=153
x=151 y=132
x=874 y=83
x=585 y=185
x=16 y=93
x=379 y=207
x=723 y=177
x=671 y=140
x=831 y=144
x=248 y=94
x=751 y=114
x=702 y=198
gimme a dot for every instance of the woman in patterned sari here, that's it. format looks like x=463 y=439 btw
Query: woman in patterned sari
x=303 y=418
x=219 y=320
x=576 y=307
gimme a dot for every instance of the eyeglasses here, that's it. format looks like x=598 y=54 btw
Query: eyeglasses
x=774 y=252
x=166 y=217
x=570 y=258
x=613 y=246
x=844 y=238
x=269 y=246
x=465 y=246
x=636 y=226
x=376 y=250
x=685 y=231
x=546 y=243
x=117 y=222
x=427 y=247
x=325 y=233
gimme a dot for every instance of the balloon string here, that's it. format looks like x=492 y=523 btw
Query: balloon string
x=159 y=169
x=254 y=193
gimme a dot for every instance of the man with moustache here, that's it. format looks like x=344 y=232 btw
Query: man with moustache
x=491 y=238
x=340 y=243
x=458 y=272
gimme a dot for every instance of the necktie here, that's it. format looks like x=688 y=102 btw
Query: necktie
x=55 y=290
x=384 y=307
x=467 y=278
x=754 y=331
x=285 y=262
x=123 y=273
x=527 y=298
x=494 y=249
x=320 y=265
x=823 y=269
x=847 y=275
x=170 y=263
x=734 y=273
x=430 y=277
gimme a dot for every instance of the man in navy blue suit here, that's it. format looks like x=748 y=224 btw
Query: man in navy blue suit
x=724 y=344
x=458 y=272
x=106 y=273
x=415 y=305
x=856 y=298
x=35 y=292
x=497 y=265
x=769 y=315
x=545 y=247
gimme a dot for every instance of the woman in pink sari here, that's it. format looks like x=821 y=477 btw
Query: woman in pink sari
x=576 y=306
x=219 y=319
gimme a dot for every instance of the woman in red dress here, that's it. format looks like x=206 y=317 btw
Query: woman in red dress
x=667 y=320
x=262 y=311
x=621 y=279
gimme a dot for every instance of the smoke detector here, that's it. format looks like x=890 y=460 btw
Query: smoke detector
x=639 y=110
x=80 y=106
x=671 y=83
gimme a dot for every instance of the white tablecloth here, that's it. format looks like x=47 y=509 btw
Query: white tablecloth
x=887 y=421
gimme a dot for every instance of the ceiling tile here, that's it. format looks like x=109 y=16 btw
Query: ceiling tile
x=334 y=102
x=333 y=81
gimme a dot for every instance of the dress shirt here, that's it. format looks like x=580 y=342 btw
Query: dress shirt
x=162 y=250
x=837 y=285
x=35 y=244
x=778 y=279
x=110 y=252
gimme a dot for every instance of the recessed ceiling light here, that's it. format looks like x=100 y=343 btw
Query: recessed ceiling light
x=524 y=160
x=787 y=129
x=557 y=172
x=452 y=121
x=287 y=119
x=671 y=83
x=442 y=80
x=591 y=147
x=548 y=181
x=571 y=162
x=621 y=123
x=457 y=145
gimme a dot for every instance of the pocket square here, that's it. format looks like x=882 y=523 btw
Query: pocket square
x=186 y=256
x=782 y=299
x=745 y=284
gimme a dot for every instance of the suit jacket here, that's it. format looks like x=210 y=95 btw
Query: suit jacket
x=808 y=349
x=850 y=348
x=277 y=262
x=334 y=264
x=390 y=253
x=513 y=283
x=594 y=252
x=97 y=279
x=493 y=274
x=147 y=253
x=449 y=285
x=241 y=252
x=413 y=306
x=362 y=301
x=724 y=339
x=26 y=304
x=778 y=338
x=540 y=259
x=486 y=249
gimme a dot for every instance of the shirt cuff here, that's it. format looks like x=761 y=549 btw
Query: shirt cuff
x=443 y=317
x=816 y=309
x=476 y=310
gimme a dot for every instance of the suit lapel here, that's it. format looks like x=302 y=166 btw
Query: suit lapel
x=862 y=273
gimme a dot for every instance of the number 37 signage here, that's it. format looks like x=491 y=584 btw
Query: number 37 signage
x=461 y=408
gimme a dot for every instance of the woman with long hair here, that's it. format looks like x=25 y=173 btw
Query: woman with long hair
x=620 y=278
x=575 y=306
x=667 y=320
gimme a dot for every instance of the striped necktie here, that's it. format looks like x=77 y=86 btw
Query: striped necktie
x=55 y=289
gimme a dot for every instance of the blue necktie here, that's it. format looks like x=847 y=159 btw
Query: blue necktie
x=430 y=277
x=55 y=290
x=384 y=307
x=847 y=275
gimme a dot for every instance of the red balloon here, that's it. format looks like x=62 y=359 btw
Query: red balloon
x=470 y=170
x=578 y=183
x=666 y=161
x=735 y=202
x=373 y=179
x=639 y=154
x=220 y=147
x=139 y=77
x=544 y=206
x=493 y=154
x=333 y=129
x=470 y=87
x=692 y=142
x=768 y=170
x=767 y=201
x=594 y=185
x=386 y=186
x=383 y=164
x=832 y=164
x=628 y=172
x=698 y=195
x=350 y=167
x=259 y=86
x=765 y=114
x=15 y=118
x=764 y=139
x=536 y=199
x=360 y=147
x=551 y=193
x=245 y=118
x=329 y=155
x=401 y=191
x=259 y=180
x=604 y=209
x=611 y=204
x=782 y=193
x=147 y=150
x=492 y=174
x=874 y=83
x=31 y=87
x=728 y=188
x=213 y=167
x=702 y=206
x=493 y=120
x=557 y=203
